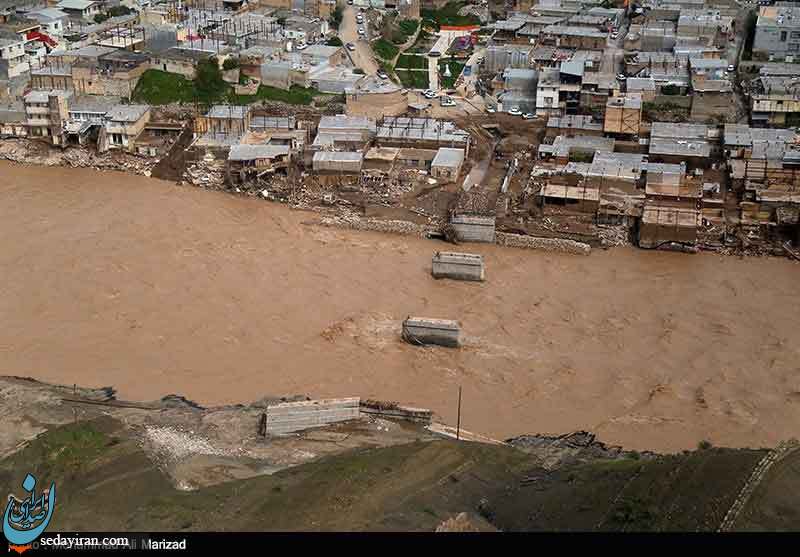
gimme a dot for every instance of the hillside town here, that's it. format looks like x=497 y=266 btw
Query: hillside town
x=669 y=124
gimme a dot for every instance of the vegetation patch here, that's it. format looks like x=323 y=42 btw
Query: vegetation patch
x=455 y=71
x=336 y=18
x=384 y=49
x=412 y=61
x=295 y=95
x=413 y=79
x=423 y=43
x=408 y=26
x=448 y=15
x=156 y=87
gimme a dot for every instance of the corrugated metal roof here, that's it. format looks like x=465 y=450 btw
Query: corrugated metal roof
x=127 y=112
x=75 y=4
x=337 y=156
x=253 y=152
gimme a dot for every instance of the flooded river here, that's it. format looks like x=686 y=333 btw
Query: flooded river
x=110 y=279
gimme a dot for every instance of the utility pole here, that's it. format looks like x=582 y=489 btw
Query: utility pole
x=458 y=422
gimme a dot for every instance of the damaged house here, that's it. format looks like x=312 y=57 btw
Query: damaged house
x=252 y=162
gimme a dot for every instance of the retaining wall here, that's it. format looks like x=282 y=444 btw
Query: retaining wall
x=295 y=416
x=547 y=244
x=506 y=239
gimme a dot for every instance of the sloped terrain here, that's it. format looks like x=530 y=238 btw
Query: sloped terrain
x=106 y=481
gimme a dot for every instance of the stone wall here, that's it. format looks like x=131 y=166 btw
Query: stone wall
x=547 y=244
x=296 y=416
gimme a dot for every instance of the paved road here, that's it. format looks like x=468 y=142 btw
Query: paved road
x=348 y=32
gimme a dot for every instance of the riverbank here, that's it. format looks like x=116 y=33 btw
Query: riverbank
x=115 y=279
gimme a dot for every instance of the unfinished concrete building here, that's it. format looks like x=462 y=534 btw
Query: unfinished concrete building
x=421 y=133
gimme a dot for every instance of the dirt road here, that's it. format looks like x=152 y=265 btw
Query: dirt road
x=348 y=32
x=110 y=279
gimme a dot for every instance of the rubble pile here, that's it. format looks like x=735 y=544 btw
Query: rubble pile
x=613 y=236
x=24 y=151
x=206 y=173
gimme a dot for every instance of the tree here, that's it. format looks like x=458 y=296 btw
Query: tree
x=336 y=18
x=209 y=83
x=334 y=41
x=117 y=11
x=230 y=64
x=100 y=18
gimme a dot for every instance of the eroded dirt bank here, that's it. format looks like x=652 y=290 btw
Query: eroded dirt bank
x=113 y=279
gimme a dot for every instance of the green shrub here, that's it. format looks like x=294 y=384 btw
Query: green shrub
x=230 y=64
x=384 y=49
x=336 y=18
x=334 y=41
x=117 y=11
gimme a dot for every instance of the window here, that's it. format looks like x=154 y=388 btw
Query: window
x=795 y=35
x=783 y=36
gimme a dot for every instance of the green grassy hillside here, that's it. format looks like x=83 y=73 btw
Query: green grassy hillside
x=105 y=481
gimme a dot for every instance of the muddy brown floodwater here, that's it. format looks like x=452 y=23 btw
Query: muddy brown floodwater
x=112 y=279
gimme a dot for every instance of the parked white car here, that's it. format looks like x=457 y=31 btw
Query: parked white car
x=430 y=94
x=529 y=115
x=515 y=111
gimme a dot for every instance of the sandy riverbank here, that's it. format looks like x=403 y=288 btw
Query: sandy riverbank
x=113 y=279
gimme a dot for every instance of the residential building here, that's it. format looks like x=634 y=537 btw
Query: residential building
x=623 y=115
x=79 y=9
x=775 y=101
x=46 y=112
x=777 y=33
x=123 y=124
x=447 y=164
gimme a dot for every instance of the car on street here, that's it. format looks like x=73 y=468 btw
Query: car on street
x=430 y=94
x=382 y=74
x=490 y=109
x=621 y=77
x=614 y=36
x=434 y=54
x=514 y=111
x=360 y=18
x=349 y=2
x=350 y=46
x=529 y=115
x=301 y=46
x=731 y=68
x=446 y=101
x=361 y=31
